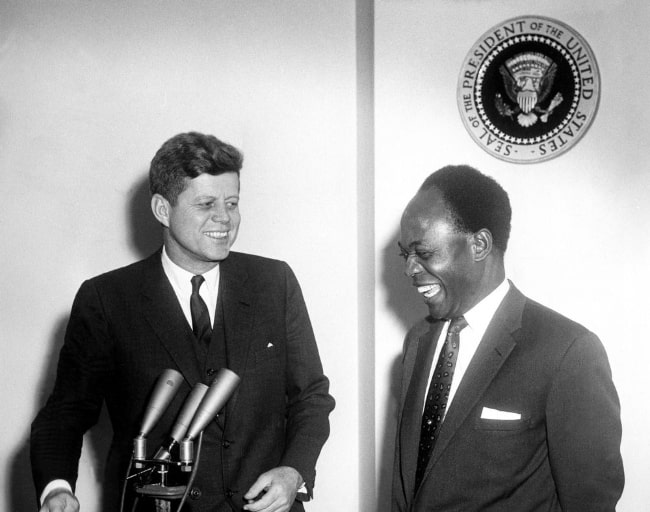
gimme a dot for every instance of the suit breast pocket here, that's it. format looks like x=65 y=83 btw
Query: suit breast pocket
x=502 y=425
x=506 y=449
x=267 y=366
x=270 y=352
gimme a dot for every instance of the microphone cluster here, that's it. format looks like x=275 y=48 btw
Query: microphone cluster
x=201 y=406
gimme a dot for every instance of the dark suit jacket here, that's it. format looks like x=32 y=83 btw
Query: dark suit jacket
x=564 y=452
x=126 y=326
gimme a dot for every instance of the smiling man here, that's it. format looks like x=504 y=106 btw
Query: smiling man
x=194 y=307
x=505 y=405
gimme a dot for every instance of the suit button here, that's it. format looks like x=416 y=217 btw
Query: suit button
x=226 y=443
x=230 y=493
x=195 y=493
x=211 y=372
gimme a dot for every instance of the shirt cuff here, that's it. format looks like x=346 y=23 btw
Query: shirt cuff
x=303 y=493
x=55 y=484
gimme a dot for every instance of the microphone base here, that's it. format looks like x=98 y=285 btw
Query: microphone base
x=173 y=492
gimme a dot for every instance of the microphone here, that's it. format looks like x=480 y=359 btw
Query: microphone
x=221 y=389
x=182 y=422
x=164 y=391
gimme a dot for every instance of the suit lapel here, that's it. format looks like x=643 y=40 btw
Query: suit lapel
x=492 y=352
x=161 y=309
x=417 y=366
x=238 y=304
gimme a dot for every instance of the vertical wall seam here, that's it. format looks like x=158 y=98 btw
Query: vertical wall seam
x=365 y=213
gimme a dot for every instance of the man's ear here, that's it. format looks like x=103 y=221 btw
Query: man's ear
x=161 y=209
x=481 y=244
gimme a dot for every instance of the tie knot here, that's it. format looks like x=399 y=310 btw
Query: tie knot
x=457 y=325
x=197 y=281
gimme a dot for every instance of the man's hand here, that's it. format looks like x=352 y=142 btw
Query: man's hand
x=276 y=489
x=60 y=500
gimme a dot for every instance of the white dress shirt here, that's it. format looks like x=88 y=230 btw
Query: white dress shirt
x=478 y=318
x=181 y=281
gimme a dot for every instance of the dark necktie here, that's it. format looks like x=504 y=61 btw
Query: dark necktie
x=438 y=395
x=200 y=315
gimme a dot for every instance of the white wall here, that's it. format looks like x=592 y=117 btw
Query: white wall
x=88 y=92
x=579 y=240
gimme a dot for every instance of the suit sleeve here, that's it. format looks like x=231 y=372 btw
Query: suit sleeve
x=584 y=430
x=76 y=401
x=308 y=400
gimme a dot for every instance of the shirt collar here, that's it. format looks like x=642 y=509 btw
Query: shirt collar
x=481 y=314
x=183 y=279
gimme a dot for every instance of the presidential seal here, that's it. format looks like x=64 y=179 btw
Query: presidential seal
x=528 y=89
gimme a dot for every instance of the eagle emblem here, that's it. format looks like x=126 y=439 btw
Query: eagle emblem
x=528 y=79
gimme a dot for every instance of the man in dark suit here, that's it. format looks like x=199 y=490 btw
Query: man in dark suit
x=506 y=406
x=128 y=325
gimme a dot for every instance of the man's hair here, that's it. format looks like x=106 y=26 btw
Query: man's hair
x=187 y=155
x=474 y=201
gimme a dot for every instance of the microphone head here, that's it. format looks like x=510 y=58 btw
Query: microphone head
x=183 y=420
x=165 y=389
x=188 y=411
x=220 y=391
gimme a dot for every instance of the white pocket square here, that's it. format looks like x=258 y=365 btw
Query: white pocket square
x=495 y=414
x=269 y=345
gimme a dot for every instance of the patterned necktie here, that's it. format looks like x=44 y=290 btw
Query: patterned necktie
x=200 y=316
x=438 y=395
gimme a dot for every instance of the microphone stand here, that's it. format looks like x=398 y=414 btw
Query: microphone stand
x=195 y=468
x=158 y=488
